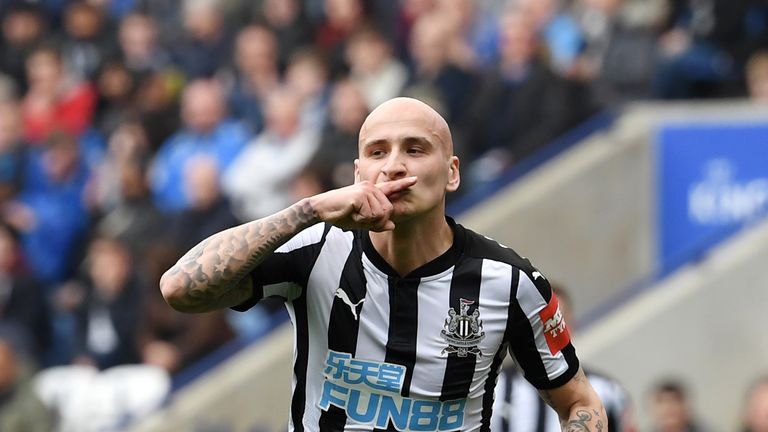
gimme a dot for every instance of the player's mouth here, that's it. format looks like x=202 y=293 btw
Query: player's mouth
x=398 y=195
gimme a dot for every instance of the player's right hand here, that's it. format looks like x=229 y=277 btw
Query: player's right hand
x=363 y=205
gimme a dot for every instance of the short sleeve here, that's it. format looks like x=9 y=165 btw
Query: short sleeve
x=539 y=339
x=285 y=272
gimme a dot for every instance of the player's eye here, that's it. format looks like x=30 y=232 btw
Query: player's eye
x=376 y=153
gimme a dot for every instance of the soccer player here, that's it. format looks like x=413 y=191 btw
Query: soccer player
x=402 y=316
x=517 y=407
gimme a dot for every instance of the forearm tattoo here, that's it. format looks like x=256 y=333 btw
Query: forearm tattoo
x=211 y=271
x=584 y=422
x=580 y=420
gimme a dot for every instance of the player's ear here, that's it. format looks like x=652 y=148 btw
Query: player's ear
x=357 y=170
x=454 y=179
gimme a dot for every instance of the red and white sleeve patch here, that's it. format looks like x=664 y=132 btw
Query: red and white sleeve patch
x=555 y=330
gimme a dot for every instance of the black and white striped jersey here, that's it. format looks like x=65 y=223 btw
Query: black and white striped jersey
x=518 y=407
x=375 y=351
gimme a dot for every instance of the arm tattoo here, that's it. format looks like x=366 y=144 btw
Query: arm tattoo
x=585 y=417
x=210 y=272
x=583 y=422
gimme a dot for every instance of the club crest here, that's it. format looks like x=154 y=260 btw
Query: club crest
x=463 y=331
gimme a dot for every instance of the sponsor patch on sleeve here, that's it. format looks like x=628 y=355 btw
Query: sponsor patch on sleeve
x=555 y=330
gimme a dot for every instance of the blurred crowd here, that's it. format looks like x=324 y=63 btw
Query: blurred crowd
x=132 y=129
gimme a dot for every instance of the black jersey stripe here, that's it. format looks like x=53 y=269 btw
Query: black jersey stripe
x=520 y=331
x=300 y=366
x=541 y=416
x=344 y=323
x=459 y=371
x=508 y=385
x=498 y=360
x=489 y=386
x=403 y=326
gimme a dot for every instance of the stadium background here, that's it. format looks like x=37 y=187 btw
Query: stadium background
x=621 y=145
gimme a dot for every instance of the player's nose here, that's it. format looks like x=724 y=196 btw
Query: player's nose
x=394 y=168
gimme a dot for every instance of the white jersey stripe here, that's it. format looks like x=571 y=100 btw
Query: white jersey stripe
x=433 y=310
x=374 y=316
x=324 y=281
x=532 y=303
x=292 y=316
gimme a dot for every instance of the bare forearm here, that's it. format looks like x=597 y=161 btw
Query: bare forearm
x=577 y=405
x=208 y=276
x=586 y=419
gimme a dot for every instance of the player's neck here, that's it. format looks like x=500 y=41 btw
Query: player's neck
x=413 y=244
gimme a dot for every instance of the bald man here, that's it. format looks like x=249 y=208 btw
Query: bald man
x=402 y=316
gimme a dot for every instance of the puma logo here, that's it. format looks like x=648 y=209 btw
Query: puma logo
x=537 y=275
x=340 y=293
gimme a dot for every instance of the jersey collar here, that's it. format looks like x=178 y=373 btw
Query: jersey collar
x=438 y=265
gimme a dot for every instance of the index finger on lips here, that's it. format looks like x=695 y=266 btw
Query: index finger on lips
x=390 y=187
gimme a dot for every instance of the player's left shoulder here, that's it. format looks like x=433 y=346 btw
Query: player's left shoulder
x=481 y=246
x=484 y=247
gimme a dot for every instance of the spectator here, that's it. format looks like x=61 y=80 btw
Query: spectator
x=307 y=74
x=701 y=48
x=272 y=160
x=671 y=408
x=119 y=190
x=338 y=143
x=127 y=148
x=167 y=12
x=477 y=30
x=618 y=57
x=134 y=220
x=520 y=106
x=254 y=75
x=756 y=407
x=108 y=318
x=20 y=408
x=435 y=72
x=209 y=211
x=559 y=32
x=289 y=24
x=55 y=99
x=23 y=28
x=409 y=13
x=374 y=68
x=88 y=40
x=116 y=87
x=157 y=106
x=23 y=304
x=207 y=131
x=49 y=212
x=342 y=19
x=205 y=44
x=139 y=46
x=12 y=148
